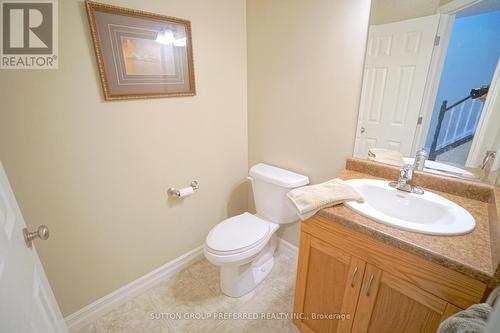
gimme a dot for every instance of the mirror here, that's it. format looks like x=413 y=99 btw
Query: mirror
x=431 y=87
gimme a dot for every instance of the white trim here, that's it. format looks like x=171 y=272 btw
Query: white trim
x=433 y=77
x=456 y=6
x=477 y=150
x=93 y=311
x=53 y=307
x=288 y=248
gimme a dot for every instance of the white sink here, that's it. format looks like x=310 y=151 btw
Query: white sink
x=426 y=213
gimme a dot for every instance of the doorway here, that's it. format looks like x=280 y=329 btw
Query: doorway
x=470 y=62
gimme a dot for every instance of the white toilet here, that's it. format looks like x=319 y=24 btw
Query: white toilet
x=243 y=246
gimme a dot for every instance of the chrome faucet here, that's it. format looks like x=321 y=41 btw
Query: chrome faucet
x=404 y=182
x=419 y=162
x=488 y=161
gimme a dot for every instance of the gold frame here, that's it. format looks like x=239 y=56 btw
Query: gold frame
x=92 y=6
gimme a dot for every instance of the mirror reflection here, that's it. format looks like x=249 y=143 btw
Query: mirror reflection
x=430 y=87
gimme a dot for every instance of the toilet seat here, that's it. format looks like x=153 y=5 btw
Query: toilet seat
x=238 y=234
x=244 y=246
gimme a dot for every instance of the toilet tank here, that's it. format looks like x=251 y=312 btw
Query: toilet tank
x=270 y=185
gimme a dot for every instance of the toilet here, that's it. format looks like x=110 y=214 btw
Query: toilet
x=243 y=246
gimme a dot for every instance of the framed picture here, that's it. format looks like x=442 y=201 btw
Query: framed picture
x=140 y=54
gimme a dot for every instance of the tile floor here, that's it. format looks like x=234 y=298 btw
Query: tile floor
x=195 y=290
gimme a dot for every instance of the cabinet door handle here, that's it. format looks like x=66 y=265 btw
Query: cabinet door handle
x=369 y=285
x=353 y=277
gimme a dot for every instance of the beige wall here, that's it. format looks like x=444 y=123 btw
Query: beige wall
x=305 y=61
x=97 y=172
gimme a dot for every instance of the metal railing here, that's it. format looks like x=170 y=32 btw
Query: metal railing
x=460 y=124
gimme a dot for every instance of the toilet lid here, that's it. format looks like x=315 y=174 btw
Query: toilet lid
x=238 y=233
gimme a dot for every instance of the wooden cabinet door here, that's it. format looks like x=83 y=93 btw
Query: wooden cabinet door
x=389 y=304
x=328 y=284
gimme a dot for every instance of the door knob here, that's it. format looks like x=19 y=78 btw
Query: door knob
x=42 y=232
x=362 y=130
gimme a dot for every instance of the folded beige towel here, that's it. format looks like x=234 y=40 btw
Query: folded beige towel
x=310 y=199
x=471 y=320
x=386 y=156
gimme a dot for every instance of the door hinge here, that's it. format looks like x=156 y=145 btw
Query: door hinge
x=419 y=120
x=437 y=39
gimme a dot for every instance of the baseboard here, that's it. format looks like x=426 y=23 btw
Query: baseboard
x=93 y=311
x=288 y=248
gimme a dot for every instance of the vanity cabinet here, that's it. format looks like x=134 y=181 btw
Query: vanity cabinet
x=350 y=282
x=389 y=304
x=331 y=283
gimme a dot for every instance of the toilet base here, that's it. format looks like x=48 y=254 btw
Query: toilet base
x=238 y=280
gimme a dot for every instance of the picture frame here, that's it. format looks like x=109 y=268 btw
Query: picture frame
x=141 y=54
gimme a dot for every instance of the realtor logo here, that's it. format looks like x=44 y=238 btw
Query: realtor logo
x=29 y=34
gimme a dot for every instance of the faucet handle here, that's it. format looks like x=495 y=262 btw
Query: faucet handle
x=419 y=162
x=406 y=172
x=488 y=162
x=490 y=155
x=404 y=182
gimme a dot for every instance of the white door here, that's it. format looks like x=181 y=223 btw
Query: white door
x=27 y=303
x=397 y=62
x=487 y=135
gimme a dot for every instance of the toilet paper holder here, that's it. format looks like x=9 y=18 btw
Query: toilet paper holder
x=175 y=192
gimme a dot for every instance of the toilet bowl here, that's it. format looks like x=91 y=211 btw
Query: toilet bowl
x=244 y=245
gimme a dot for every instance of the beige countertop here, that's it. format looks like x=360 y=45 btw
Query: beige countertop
x=473 y=254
